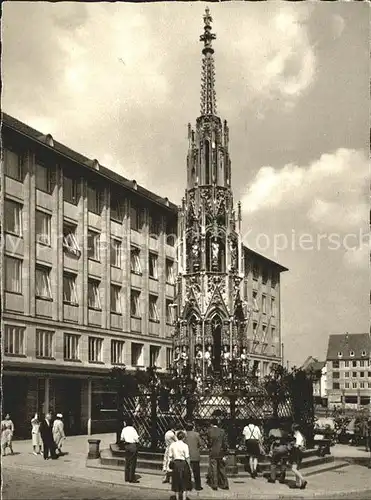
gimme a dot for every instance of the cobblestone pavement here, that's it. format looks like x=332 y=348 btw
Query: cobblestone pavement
x=28 y=476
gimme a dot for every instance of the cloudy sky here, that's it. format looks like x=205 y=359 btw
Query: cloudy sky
x=119 y=82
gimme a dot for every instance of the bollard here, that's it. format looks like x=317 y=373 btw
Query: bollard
x=94 y=451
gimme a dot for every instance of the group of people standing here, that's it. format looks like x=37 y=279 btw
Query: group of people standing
x=47 y=435
x=182 y=458
x=283 y=448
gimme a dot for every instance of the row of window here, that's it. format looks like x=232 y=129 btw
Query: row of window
x=348 y=374
x=45 y=181
x=354 y=363
x=13 y=225
x=15 y=344
x=264 y=304
x=351 y=385
x=13 y=283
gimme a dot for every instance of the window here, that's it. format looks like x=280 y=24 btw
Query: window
x=264 y=304
x=13 y=275
x=13 y=165
x=274 y=281
x=169 y=357
x=94 y=196
x=42 y=173
x=255 y=304
x=354 y=374
x=255 y=272
x=354 y=364
x=115 y=253
x=71 y=346
x=364 y=353
x=254 y=327
x=70 y=185
x=264 y=277
x=362 y=362
x=116 y=207
x=93 y=245
x=69 y=239
x=116 y=299
x=361 y=385
x=340 y=354
x=44 y=344
x=170 y=312
x=352 y=354
x=153 y=266
x=336 y=375
x=354 y=385
x=346 y=385
x=13 y=217
x=135 y=260
x=273 y=306
x=346 y=374
x=154 y=353
x=134 y=303
x=369 y=374
x=171 y=232
x=154 y=226
x=117 y=352
x=42 y=224
x=335 y=364
x=361 y=374
x=153 y=312
x=95 y=350
x=43 y=288
x=69 y=288
x=170 y=277
x=335 y=385
x=136 y=354
x=93 y=294
x=273 y=330
x=14 y=340
x=136 y=219
x=346 y=364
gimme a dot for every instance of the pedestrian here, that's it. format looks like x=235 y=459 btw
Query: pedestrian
x=7 y=431
x=170 y=437
x=181 y=479
x=279 y=453
x=194 y=442
x=298 y=446
x=130 y=438
x=35 y=434
x=253 y=437
x=58 y=432
x=46 y=432
x=218 y=450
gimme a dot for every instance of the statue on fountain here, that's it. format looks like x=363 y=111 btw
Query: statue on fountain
x=208 y=359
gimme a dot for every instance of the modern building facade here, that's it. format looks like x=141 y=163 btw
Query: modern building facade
x=348 y=365
x=89 y=266
x=88 y=273
x=228 y=297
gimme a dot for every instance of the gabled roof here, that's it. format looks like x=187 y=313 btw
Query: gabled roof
x=357 y=343
x=59 y=148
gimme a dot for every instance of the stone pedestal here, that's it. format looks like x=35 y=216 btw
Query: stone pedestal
x=94 y=451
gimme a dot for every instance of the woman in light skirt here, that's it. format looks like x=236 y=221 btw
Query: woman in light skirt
x=7 y=431
x=35 y=434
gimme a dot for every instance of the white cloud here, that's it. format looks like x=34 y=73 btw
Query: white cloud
x=330 y=190
x=278 y=61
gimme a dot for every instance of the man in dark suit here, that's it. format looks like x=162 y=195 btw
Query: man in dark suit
x=46 y=432
x=193 y=440
x=218 y=449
